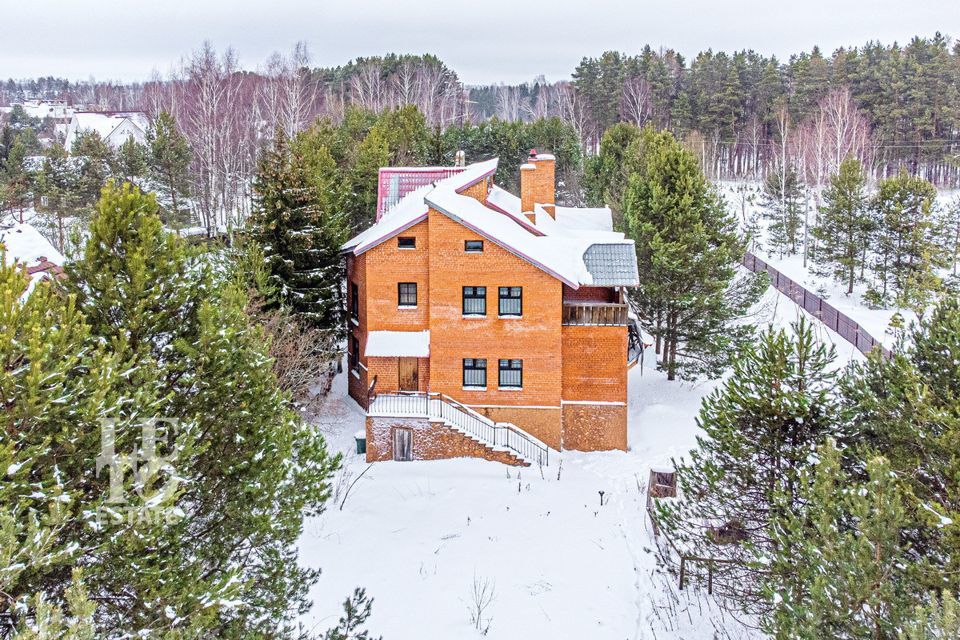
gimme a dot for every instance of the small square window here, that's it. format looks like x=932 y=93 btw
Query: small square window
x=407 y=242
x=511 y=301
x=474 y=301
x=407 y=294
x=474 y=372
x=511 y=374
x=473 y=246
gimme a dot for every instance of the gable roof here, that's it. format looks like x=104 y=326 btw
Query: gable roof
x=558 y=249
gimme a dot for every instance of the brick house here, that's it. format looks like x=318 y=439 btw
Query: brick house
x=485 y=324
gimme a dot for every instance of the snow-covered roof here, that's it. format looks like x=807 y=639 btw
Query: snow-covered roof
x=133 y=123
x=24 y=244
x=587 y=219
x=558 y=249
x=398 y=344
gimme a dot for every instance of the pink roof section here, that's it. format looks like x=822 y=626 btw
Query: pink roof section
x=396 y=182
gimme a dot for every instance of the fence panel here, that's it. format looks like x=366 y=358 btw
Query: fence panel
x=846 y=327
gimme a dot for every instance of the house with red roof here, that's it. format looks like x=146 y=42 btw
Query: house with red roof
x=486 y=324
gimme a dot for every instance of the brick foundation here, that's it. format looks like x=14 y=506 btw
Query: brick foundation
x=594 y=427
x=431 y=441
x=543 y=424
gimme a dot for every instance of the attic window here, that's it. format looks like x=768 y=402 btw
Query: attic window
x=473 y=246
x=406 y=242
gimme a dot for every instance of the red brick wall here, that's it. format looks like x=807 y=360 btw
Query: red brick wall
x=386 y=266
x=357 y=385
x=431 y=441
x=535 y=338
x=595 y=363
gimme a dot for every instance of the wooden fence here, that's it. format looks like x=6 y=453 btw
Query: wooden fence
x=846 y=328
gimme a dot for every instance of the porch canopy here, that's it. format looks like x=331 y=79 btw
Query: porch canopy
x=398 y=344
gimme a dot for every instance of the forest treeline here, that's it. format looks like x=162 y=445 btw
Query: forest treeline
x=744 y=115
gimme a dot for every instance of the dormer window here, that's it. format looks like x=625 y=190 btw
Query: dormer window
x=406 y=242
x=473 y=246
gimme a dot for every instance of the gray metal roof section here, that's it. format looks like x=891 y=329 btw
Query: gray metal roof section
x=612 y=265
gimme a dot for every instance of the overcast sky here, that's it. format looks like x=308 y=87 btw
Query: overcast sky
x=483 y=40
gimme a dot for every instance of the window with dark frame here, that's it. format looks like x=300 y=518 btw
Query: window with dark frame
x=354 y=354
x=407 y=242
x=474 y=301
x=511 y=374
x=474 y=372
x=473 y=246
x=354 y=301
x=407 y=294
x=511 y=301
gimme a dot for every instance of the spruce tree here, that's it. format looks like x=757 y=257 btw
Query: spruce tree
x=760 y=429
x=688 y=253
x=300 y=235
x=843 y=226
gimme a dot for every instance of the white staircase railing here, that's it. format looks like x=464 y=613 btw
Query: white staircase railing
x=437 y=406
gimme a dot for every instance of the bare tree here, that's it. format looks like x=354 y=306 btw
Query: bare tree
x=635 y=101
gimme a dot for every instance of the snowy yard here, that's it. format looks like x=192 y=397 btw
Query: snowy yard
x=416 y=535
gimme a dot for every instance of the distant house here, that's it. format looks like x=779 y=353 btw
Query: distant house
x=56 y=109
x=488 y=325
x=115 y=127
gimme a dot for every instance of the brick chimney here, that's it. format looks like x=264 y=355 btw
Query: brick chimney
x=538 y=183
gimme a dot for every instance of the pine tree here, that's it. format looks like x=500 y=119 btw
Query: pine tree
x=760 y=429
x=907 y=409
x=949 y=236
x=840 y=567
x=300 y=235
x=905 y=246
x=938 y=619
x=843 y=226
x=356 y=611
x=169 y=159
x=784 y=202
x=688 y=251
x=252 y=469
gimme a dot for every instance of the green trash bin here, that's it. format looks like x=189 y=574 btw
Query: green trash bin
x=361 y=437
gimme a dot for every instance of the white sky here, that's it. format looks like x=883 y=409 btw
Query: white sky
x=488 y=41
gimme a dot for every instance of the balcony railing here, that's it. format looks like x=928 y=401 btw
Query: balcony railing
x=595 y=313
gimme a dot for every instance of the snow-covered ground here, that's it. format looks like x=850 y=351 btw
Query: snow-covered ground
x=418 y=534
x=745 y=199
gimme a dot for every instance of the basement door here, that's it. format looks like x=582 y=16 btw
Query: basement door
x=402 y=444
x=409 y=374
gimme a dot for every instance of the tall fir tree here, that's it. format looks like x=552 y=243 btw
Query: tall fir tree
x=688 y=251
x=760 y=429
x=300 y=232
x=843 y=226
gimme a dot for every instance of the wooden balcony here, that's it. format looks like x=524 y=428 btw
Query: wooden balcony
x=595 y=313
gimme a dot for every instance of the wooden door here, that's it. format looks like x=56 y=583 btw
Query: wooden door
x=409 y=374
x=402 y=444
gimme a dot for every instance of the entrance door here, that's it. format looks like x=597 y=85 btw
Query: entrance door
x=402 y=444
x=409 y=374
